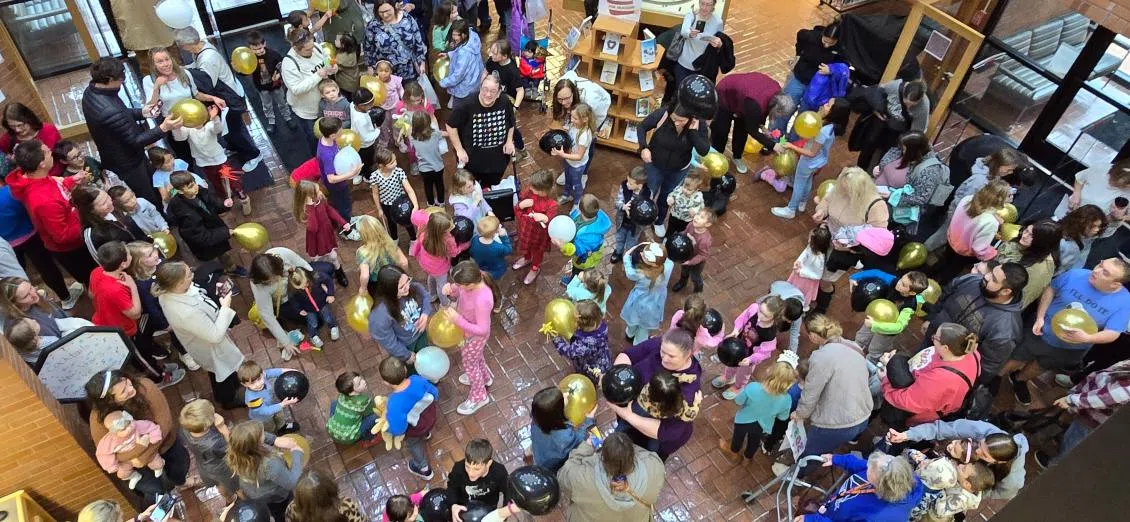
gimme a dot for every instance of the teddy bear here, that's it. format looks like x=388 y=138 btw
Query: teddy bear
x=380 y=407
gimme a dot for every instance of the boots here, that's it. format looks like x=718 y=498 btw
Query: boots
x=339 y=276
x=823 y=299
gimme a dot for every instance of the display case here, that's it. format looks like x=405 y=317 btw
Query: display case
x=46 y=36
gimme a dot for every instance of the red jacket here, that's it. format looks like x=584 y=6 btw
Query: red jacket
x=49 y=135
x=50 y=209
x=935 y=389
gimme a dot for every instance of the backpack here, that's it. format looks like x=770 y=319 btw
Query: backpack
x=968 y=403
x=221 y=90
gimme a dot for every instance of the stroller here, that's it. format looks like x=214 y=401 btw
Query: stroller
x=522 y=31
x=785 y=483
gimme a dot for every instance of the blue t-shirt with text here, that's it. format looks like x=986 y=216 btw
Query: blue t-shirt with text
x=1111 y=311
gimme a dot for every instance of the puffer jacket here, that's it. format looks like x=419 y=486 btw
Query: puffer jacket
x=997 y=326
x=116 y=130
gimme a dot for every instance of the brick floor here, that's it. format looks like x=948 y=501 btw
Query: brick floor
x=752 y=249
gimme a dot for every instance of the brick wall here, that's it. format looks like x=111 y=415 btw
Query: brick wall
x=44 y=448
x=15 y=80
x=1114 y=14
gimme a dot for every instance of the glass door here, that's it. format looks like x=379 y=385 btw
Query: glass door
x=225 y=16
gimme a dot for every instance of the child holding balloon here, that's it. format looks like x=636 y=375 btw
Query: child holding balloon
x=552 y=436
x=691 y=319
x=587 y=348
x=878 y=337
x=312 y=208
x=587 y=245
x=435 y=249
x=757 y=328
x=533 y=212
x=394 y=91
x=389 y=186
x=814 y=153
x=337 y=166
x=474 y=295
x=647 y=266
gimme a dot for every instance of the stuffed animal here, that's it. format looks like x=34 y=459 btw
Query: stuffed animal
x=380 y=407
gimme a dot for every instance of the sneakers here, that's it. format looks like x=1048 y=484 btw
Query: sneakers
x=730 y=394
x=424 y=472
x=289 y=427
x=288 y=353
x=1020 y=390
x=75 y=292
x=616 y=258
x=134 y=478
x=783 y=212
x=316 y=341
x=531 y=276
x=189 y=362
x=561 y=179
x=1064 y=380
x=245 y=205
x=238 y=271
x=465 y=380
x=740 y=165
x=358 y=179
x=468 y=407
x=660 y=230
x=335 y=333
x=521 y=262
x=720 y=382
x=564 y=200
x=172 y=378
x=565 y=279
x=252 y=163
x=801 y=207
x=779 y=469
x=340 y=278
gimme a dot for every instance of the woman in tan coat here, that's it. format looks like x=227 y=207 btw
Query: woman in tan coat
x=588 y=481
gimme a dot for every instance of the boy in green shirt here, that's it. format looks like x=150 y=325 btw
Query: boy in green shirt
x=351 y=416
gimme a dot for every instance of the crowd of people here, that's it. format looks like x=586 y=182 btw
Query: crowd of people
x=993 y=315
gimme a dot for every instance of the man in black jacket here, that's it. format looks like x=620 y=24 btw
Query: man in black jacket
x=120 y=139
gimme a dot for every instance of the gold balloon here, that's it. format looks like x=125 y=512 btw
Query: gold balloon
x=302 y=443
x=1072 y=318
x=324 y=6
x=349 y=138
x=318 y=128
x=243 y=60
x=375 y=86
x=882 y=311
x=580 y=397
x=1008 y=214
x=191 y=112
x=166 y=243
x=825 y=188
x=357 y=310
x=329 y=50
x=403 y=126
x=784 y=164
x=251 y=236
x=443 y=332
x=753 y=146
x=716 y=164
x=1008 y=231
x=912 y=255
x=931 y=295
x=562 y=313
x=440 y=68
x=808 y=124
x=253 y=315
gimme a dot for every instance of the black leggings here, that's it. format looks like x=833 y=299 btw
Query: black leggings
x=433 y=186
x=77 y=263
x=751 y=434
x=32 y=249
x=392 y=225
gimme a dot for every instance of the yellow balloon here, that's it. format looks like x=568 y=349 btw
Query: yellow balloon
x=580 y=397
x=243 y=60
x=931 y=295
x=1072 y=318
x=303 y=445
x=324 y=6
x=1008 y=231
x=1008 y=214
x=329 y=50
x=357 y=310
x=375 y=86
x=443 y=332
x=251 y=236
x=784 y=164
x=716 y=164
x=191 y=111
x=318 y=128
x=912 y=255
x=882 y=311
x=753 y=146
x=166 y=243
x=403 y=126
x=349 y=138
x=825 y=188
x=808 y=124
x=440 y=68
x=562 y=313
x=253 y=315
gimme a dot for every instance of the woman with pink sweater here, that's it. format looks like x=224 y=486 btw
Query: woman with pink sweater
x=690 y=319
x=435 y=248
x=473 y=292
x=757 y=328
x=972 y=231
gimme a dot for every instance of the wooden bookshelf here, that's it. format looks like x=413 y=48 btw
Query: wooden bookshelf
x=625 y=90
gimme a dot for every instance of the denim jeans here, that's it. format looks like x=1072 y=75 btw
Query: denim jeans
x=626 y=237
x=826 y=440
x=573 y=186
x=661 y=183
x=417 y=451
x=367 y=423
x=306 y=128
x=802 y=186
x=1075 y=434
x=795 y=90
x=323 y=316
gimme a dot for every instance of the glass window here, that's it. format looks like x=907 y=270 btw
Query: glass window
x=1047 y=33
x=1091 y=131
x=46 y=36
x=1003 y=95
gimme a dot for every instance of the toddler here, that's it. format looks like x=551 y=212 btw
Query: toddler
x=590 y=284
x=532 y=69
x=632 y=189
x=809 y=266
x=259 y=395
x=313 y=293
x=389 y=186
x=491 y=246
x=75 y=162
x=879 y=338
x=300 y=19
x=587 y=247
x=467 y=197
x=699 y=233
x=403 y=508
x=130 y=444
x=348 y=75
x=210 y=156
x=268 y=81
x=588 y=348
x=582 y=130
x=647 y=266
x=428 y=145
x=552 y=436
x=762 y=404
x=812 y=156
x=951 y=487
x=757 y=328
x=686 y=201
x=164 y=164
x=322 y=223
x=690 y=319
x=434 y=249
x=474 y=296
x=351 y=416
x=333 y=104
x=535 y=208
x=143 y=213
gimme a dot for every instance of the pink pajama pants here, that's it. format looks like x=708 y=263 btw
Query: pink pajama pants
x=740 y=375
x=475 y=365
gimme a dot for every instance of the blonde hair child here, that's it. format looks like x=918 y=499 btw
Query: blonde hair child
x=762 y=404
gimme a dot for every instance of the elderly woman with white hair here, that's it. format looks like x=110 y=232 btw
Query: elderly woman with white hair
x=882 y=488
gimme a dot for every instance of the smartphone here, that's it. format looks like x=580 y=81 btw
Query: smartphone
x=700 y=25
x=223 y=287
x=164 y=508
x=596 y=438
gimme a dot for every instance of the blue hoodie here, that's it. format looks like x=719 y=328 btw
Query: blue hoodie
x=590 y=238
x=466 y=68
x=551 y=449
x=863 y=507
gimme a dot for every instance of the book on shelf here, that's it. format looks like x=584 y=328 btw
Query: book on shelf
x=608 y=72
x=605 y=130
x=572 y=38
x=647 y=80
x=643 y=107
x=611 y=44
x=647 y=48
x=630 y=133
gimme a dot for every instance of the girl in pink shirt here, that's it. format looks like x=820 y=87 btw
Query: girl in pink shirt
x=394 y=90
x=690 y=318
x=757 y=328
x=473 y=292
x=434 y=248
x=413 y=101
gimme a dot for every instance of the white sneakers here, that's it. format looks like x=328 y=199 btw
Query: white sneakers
x=468 y=407
x=740 y=166
x=189 y=362
x=75 y=291
x=252 y=163
x=465 y=380
x=783 y=212
x=660 y=230
x=335 y=333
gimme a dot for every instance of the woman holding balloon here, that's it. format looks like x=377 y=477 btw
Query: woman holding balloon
x=661 y=419
x=400 y=314
x=167 y=84
x=270 y=273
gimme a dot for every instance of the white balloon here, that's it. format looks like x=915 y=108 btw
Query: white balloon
x=175 y=13
x=346 y=160
x=562 y=228
x=432 y=363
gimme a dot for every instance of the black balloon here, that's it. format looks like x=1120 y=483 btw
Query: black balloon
x=643 y=212
x=291 y=384
x=867 y=290
x=727 y=184
x=464 y=229
x=377 y=116
x=697 y=94
x=713 y=321
x=901 y=235
x=679 y=247
x=476 y=512
x=621 y=384
x=436 y=506
x=555 y=139
x=250 y=511
x=401 y=212
x=732 y=351
x=534 y=489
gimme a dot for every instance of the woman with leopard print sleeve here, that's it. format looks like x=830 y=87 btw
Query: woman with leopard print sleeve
x=661 y=419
